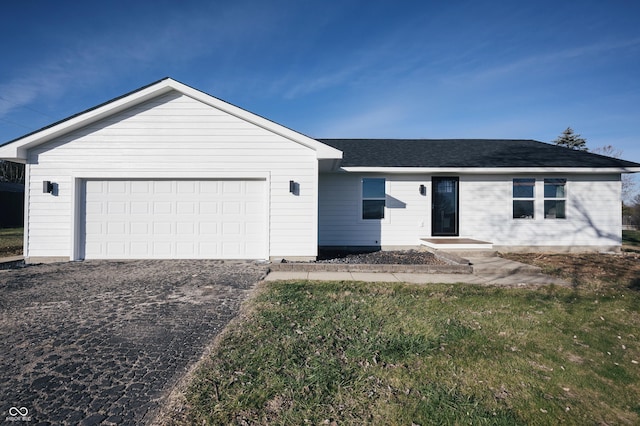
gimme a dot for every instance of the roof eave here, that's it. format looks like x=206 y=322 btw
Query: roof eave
x=491 y=170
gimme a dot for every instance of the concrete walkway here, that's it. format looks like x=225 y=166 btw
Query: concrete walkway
x=486 y=271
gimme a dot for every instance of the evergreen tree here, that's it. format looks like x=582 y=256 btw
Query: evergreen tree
x=571 y=140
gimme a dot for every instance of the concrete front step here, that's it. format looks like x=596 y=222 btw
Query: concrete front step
x=455 y=244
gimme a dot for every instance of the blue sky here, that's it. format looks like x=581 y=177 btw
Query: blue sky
x=383 y=69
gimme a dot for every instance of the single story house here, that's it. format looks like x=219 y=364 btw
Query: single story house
x=168 y=171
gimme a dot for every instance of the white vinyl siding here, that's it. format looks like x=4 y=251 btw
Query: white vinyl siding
x=593 y=211
x=407 y=212
x=172 y=136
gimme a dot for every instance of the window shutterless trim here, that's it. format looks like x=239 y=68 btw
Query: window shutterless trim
x=374 y=199
x=555 y=198
x=523 y=200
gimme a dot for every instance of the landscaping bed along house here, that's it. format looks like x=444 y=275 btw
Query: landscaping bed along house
x=412 y=261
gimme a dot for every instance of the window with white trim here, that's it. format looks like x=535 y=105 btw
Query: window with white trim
x=524 y=191
x=373 y=198
x=555 y=198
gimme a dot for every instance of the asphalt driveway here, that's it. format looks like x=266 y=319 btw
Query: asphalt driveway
x=104 y=342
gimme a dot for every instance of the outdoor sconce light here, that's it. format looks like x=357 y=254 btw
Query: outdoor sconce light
x=47 y=187
x=423 y=190
x=294 y=187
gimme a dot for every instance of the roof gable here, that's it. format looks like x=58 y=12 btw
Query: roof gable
x=16 y=150
x=469 y=153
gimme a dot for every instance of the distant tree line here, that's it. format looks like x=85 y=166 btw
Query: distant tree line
x=630 y=199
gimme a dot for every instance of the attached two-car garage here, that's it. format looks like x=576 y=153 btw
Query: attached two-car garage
x=174 y=219
x=170 y=172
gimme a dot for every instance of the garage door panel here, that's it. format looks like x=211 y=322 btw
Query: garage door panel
x=139 y=207
x=208 y=228
x=115 y=207
x=95 y=248
x=186 y=187
x=186 y=228
x=161 y=207
x=139 y=228
x=231 y=229
x=139 y=187
x=207 y=219
x=231 y=187
x=162 y=187
x=162 y=249
x=186 y=248
x=116 y=248
x=186 y=208
x=208 y=207
x=208 y=187
x=117 y=187
x=94 y=207
x=231 y=207
x=162 y=228
x=116 y=228
x=139 y=249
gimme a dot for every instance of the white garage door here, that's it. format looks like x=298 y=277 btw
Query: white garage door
x=175 y=219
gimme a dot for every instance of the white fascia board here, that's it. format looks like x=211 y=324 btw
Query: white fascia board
x=323 y=151
x=491 y=170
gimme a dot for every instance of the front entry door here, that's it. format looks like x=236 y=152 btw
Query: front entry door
x=444 y=206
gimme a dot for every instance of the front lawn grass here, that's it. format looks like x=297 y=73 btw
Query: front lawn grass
x=399 y=354
x=11 y=241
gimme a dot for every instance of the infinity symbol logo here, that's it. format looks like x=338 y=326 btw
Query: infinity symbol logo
x=15 y=411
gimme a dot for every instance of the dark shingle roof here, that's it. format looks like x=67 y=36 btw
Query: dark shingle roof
x=466 y=153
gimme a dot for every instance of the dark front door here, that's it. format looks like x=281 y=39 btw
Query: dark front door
x=444 y=206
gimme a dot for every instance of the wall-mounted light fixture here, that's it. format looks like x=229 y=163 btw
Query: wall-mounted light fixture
x=47 y=187
x=294 y=187
x=423 y=190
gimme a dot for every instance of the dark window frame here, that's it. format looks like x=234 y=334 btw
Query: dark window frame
x=374 y=203
x=555 y=201
x=523 y=205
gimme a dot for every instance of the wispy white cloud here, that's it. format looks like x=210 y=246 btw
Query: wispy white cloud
x=376 y=121
x=19 y=93
x=131 y=47
x=545 y=62
x=322 y=81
